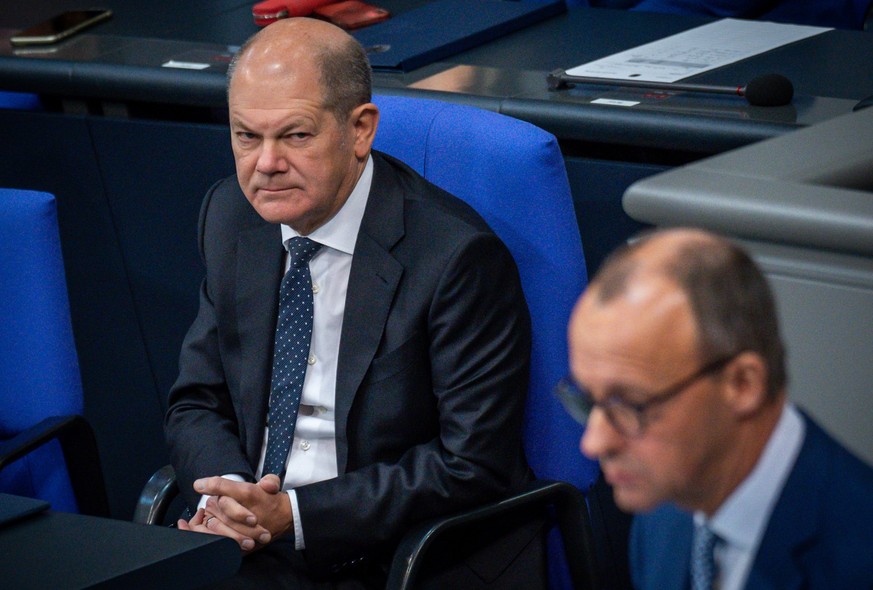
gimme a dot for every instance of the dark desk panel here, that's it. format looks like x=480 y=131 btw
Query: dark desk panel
x=70 y=551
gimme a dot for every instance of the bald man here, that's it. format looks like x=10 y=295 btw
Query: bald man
x=678 y=371
x=417 y=364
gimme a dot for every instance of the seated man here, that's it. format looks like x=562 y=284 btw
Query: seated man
x=382 y=381
x=679 y=373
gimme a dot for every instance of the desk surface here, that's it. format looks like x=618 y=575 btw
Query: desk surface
x=70 y=551
x=120 y=60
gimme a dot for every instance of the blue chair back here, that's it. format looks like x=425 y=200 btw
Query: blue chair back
x=513 y=174
x=21 y=101
x=39 y=369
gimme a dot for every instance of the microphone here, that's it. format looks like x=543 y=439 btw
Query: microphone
x=769 y=90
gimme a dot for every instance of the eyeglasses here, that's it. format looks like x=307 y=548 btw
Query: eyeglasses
x=628 y=418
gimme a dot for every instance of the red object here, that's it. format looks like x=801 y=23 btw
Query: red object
x=352 y=14
x=269 y=11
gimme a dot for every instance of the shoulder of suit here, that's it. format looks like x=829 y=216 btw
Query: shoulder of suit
x=422 y=198
x=227 y=203
x=838 y=459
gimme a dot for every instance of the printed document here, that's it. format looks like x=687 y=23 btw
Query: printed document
x=694 y=51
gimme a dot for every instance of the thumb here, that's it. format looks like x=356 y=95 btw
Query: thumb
x=270 y=483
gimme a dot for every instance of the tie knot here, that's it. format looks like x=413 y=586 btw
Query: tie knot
x=301 y=251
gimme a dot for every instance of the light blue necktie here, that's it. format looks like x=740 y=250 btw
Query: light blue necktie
x=290 y=354
x=704 y=571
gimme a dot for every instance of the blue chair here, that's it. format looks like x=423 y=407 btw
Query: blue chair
x=513 y=174
x=21 y=101
x=42 y=430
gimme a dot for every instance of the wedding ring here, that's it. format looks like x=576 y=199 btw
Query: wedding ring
x=207 y=521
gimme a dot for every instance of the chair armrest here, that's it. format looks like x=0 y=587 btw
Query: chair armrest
x=571 y=514
x=81 y=456
x=156 y=497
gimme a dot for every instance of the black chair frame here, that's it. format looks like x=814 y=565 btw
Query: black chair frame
x=565 y=502
x=79 y=446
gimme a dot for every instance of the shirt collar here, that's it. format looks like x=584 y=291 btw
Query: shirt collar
x=341 y=231
x=742 y=518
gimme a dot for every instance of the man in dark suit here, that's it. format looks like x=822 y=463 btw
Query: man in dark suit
x=679 y=373
x=416 y=376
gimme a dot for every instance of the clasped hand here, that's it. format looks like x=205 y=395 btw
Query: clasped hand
x=253 y=514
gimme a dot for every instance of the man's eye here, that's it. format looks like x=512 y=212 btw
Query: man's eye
x=245 y=135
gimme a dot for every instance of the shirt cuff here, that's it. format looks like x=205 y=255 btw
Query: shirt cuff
x=299 y=544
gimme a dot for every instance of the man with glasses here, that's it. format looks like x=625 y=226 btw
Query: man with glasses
x=678 y=373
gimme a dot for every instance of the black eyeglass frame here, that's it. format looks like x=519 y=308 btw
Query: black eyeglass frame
x=579 y=403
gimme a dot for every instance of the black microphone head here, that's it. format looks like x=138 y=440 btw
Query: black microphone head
x=769 y=90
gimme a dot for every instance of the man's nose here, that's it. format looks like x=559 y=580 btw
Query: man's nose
x=600 y=437
x=272 y=158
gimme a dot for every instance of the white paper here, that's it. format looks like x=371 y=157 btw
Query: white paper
x=696 y=50
x=185 y=65
x=615 y=102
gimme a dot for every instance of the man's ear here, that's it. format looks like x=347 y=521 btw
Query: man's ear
x=745 y=383
x=365 y=120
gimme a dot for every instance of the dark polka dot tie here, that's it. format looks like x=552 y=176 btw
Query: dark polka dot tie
x=704 y=571
x=290 y=354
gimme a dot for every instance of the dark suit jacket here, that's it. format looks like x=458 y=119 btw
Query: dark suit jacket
x=432 y=371
x=820 y=533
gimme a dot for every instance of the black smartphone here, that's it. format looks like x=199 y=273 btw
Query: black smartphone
x=59 y=27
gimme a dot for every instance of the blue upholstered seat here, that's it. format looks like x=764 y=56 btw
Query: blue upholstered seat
x=513 y=174
x=40 y=389
x=22 y=101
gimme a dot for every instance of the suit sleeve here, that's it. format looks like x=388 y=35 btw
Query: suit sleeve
x=476 y=349
x=200 y=425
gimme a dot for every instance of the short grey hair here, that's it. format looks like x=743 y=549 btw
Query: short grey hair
x=346 y=76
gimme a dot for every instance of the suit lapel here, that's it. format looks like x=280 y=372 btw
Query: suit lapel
x=660 y=549
x=793 y=528
x=373 y=280
x=258 y=275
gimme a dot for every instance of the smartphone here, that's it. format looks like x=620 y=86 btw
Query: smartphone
x=352 y=14
x=59 y=27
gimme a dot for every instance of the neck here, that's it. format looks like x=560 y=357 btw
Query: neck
x=743 y=450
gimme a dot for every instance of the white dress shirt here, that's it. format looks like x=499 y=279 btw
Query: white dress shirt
x=313 y=452
x=741 y=520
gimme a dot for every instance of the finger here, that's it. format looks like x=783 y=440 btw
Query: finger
x=231 y=511
x=224 y=508
x=220 y=486
x=198 y=518
x=214 y=525
x=270 y=483
x=197 y=524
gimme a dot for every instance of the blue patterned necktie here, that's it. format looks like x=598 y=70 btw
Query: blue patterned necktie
x=290 y=354
x=704 y=571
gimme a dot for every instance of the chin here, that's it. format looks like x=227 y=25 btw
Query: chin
x=634 y=501
x=274 y=212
